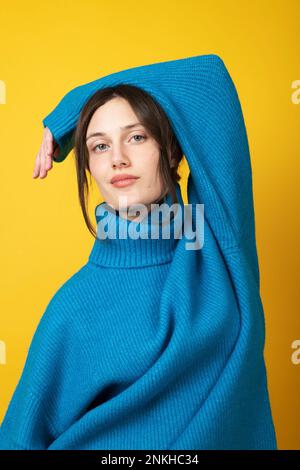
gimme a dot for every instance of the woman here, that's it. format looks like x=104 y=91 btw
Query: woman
x=153 y=345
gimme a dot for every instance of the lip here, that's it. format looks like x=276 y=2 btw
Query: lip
x=122 y=177
x=121 y=183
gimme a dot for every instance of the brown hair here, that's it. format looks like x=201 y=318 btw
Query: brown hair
x=153 y=118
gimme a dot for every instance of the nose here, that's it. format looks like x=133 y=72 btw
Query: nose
x=120 y=164
x=119 y=159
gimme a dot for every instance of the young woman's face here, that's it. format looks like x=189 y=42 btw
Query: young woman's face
x=120 y=150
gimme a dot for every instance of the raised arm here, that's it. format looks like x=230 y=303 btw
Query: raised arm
x=201 y=101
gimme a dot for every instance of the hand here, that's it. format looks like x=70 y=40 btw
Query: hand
x=48 y=149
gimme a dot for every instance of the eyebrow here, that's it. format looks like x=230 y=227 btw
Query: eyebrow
x=99 y=134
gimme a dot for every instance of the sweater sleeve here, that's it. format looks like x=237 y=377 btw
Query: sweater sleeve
x=62 y=119
x=44 y=402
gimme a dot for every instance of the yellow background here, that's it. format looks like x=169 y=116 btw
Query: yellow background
x=47 y=48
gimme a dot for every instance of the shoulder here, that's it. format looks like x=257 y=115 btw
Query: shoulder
x=60 y=325
x=55 y=349
x=69 y=301
x=73 y=293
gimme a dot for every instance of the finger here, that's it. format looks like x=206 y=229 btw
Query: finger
x=43 y=172
x=49 y=152
x=36 y=169
x=49 y=145
x=48 y=162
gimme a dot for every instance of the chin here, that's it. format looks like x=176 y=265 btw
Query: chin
x=126 y=200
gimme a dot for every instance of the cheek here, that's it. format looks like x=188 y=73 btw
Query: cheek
x=150 y=159
x=97 y=168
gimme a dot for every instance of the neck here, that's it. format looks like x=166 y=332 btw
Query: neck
x=122 y=242
x=134 y=218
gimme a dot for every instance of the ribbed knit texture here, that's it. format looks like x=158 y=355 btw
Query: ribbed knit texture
x=150 y=345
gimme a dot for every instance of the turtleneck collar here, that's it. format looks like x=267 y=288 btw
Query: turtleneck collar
x=124 y=243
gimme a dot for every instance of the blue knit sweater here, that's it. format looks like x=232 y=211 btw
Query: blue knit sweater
x=150 y=345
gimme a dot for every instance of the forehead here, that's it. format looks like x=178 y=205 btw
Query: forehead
x=114 y=113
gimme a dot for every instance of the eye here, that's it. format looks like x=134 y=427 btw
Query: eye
x=136 y=135
x=139 y=135
x=97 y=146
